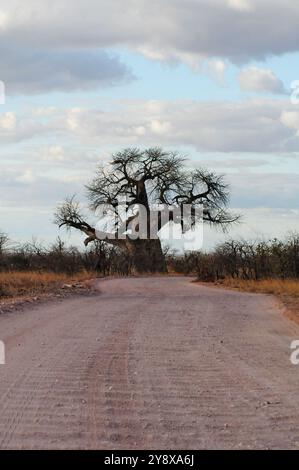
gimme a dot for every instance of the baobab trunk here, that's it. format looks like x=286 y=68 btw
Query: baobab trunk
x=148 y=256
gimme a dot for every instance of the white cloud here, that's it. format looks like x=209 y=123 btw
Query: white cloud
x=27 y=177
x=251 y=126
x=240 y=5
x=3 y=20
x=45 y=110
x=189 y=31
x=256 y=125
x=291 y=120
x=260 y=80
x=54 y=153
x=62 y=45
x=8 y=121
x=160 y=127
x=216 y=68
x=14 y=128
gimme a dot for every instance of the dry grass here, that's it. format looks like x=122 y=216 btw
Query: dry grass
x=267 y=286
x=28 y=283
x=286 y=290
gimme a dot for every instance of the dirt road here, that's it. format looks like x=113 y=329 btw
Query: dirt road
x=151 y=363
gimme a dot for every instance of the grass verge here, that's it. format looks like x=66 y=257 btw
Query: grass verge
x=30 y=283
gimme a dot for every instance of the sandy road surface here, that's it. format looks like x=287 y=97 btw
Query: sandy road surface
x=150 y=363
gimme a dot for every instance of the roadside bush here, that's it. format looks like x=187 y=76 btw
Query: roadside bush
x=60 y=258
x=240 y=259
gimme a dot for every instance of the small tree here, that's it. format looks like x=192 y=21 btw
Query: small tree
x=4 y=240
x=147 y=178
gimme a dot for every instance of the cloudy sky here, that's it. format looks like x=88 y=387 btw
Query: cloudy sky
x=214 y=79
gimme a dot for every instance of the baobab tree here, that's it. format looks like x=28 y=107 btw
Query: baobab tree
x=154 y=180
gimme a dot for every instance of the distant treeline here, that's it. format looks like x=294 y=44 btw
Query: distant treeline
x=241 y=259
x=60 y=258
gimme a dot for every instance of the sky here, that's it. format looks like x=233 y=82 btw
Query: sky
x=216 y=80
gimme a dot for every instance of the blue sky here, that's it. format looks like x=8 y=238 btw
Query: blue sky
x=205 y=78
